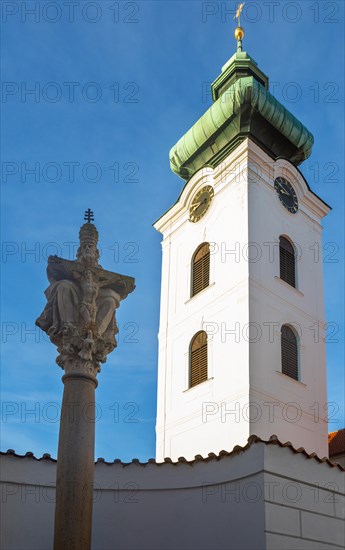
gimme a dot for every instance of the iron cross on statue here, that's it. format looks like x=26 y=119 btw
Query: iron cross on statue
x=89 y=217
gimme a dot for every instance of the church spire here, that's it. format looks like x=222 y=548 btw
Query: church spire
x=242 y=108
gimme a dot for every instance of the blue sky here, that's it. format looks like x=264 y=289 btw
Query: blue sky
x=117 y=84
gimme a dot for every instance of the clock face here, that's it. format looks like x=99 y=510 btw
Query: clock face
x=200 y=203
x=286 y=194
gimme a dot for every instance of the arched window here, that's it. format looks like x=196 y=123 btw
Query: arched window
x=287 y=261
x=198 y=359
x=201 y=268
x=289 y=349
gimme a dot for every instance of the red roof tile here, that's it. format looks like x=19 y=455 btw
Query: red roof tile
x=336 y=442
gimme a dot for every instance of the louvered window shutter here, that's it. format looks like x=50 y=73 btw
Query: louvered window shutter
x=198 y=359
x=287 y=262
x=201 y=269
x=289 y=349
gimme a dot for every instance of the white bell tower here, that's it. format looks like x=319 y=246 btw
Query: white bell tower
x=241 y=337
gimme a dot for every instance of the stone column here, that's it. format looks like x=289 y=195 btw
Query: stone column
x=79 y=318
x=75 y=465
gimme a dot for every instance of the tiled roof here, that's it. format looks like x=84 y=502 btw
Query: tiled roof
x=336 y=442
x=253 y=439
x=45 y=456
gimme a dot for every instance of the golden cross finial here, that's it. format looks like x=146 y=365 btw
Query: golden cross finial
x=238 y=13
x=239 y=32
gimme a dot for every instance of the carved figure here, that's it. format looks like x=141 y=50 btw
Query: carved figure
x=82 y=299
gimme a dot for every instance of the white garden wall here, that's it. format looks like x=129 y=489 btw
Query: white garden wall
x=265 y=497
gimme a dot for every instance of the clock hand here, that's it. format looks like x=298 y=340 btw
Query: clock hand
x=195 y=206
x=282 y=190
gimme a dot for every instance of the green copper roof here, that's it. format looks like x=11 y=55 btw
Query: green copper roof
x=243 y=108
x=238 y=66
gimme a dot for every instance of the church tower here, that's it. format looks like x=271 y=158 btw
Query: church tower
x=241 y=337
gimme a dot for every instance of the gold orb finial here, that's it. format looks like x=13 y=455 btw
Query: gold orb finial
x=239 y=33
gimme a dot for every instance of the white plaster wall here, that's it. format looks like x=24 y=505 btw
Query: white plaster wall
x=237 y=310
x=300 y=510
x=27 y=503
x=300 y=413
x=264 y=498
x=186 y=417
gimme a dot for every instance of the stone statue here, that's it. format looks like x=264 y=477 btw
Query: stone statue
x=79 y=316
